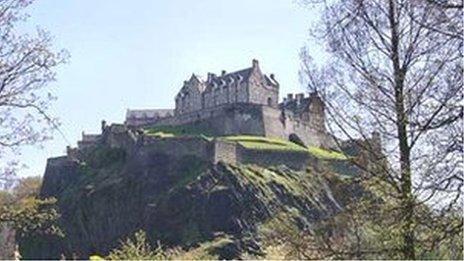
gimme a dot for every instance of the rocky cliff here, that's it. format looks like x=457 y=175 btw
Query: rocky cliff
x=179 y=201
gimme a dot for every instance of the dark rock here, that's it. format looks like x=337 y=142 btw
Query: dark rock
x=177 y=201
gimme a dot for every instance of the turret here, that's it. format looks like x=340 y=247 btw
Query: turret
x=255 y=63
x=316 y=112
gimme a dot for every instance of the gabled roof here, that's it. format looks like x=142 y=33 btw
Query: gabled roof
x=195 y=79
x=270 y=81
x=243 y=75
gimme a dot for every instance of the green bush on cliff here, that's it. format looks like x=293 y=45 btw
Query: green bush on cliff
x=137 y=248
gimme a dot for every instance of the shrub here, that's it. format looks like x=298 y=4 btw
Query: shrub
x=137 y=248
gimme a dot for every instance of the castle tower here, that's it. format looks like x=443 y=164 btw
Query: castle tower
x=316 y=112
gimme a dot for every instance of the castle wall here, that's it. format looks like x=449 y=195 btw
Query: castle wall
x=266 y=158
x=265 y=96
x=229 y=119
x=219 y=150
x=274 y=125
x=225 y=151
x=260 y=93
x=151 y=148
x=219 y=94
x=251 y=119
x=176 y=147
x=311 y=136
x=277 y=126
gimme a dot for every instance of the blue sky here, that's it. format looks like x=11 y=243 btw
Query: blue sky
x=136 y=54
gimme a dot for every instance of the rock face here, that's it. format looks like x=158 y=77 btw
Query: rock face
x=176 y=200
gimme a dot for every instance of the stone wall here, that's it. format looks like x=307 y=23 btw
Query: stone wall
x=219 y=150
x=59 y=173
x=148 y=148
x=278 y=126
x=231 y=119
x=251 y=119
x=309 y=135
x=266 y=158
x=225 y=151
x=261 y=93
x=176 y=147
x=234 y=92
x=118 y=136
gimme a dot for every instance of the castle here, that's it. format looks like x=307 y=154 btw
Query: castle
x=244 y=102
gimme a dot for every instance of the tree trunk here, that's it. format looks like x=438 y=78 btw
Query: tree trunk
x=407 y=228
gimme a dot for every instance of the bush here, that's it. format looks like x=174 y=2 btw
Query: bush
x=137 y=248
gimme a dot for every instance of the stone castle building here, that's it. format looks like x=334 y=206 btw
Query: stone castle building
x=245 y=102
x=245 y=86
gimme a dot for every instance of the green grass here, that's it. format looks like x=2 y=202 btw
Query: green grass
x=297 y=183
x=263 y=143
x=326 y=154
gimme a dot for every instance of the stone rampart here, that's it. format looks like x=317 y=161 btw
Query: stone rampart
x=251 y=119
x=176 y=147
x=265 y=158
x=225 y=151
x=231 y=119
x=217 y=150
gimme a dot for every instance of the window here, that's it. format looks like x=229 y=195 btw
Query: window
x=269 y=101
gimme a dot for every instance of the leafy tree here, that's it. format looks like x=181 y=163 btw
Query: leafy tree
x=27 y=187
x=31 y=216
x=27 y=66
x=394 y=67
x=23 y=215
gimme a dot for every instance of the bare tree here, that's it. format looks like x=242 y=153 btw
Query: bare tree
x=27 y=64
x=395 y=68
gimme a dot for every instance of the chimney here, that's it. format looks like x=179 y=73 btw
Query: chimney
x=272 y=77
x=223 y=72
x=255 y=63
x=211 y=76
x=103 y=125
x=290 y=97
x=299 y=97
